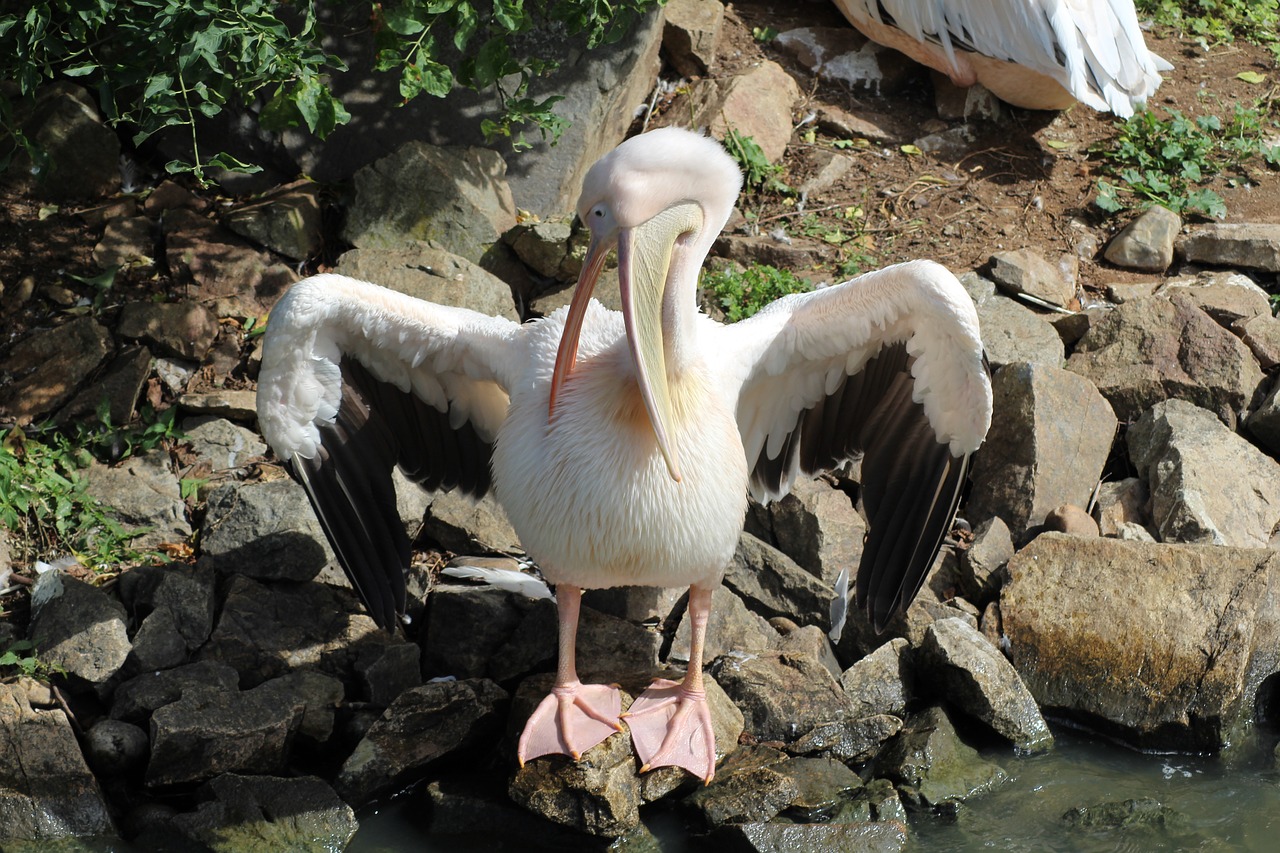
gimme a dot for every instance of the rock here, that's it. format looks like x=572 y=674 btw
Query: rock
x=208 y=732
x=1146 y=243
x=239 y=813
x=1027 y=271
x=142 y=492
x=1261 y=334
x=170 y=195
x=1138 y=824
x=770 y=583
x=115 y=747
x=78 y=627
x=607 y=644
x=823 y=785
x=1227 y=297
x=221 y=264
x=466 y=525
x=83 y=154
x=475 y=631
x=184 y=329
x=47 y=793
x=1182 y=451
x=932 y=767
x=286 y=220
x=964 y=669
x=126 y=242
x=457 y=197
x=43 y=370
x=1050 y=437
x=420 y=726
x=1263 y=422
x=843 y=124
x=691 y=34
x=951 y=144
x=263 y=530
x=233 y=405
x=731 y=629
x=748 y=788
x=1013 y=333
x=982 y=562
x=118 y=389
x=646 y=604
x=809 y=640
x=755 y=104
x=815 y=525
x=1159 y=348
x=546 y=248
x=880 y=683
x=890 y=837
x=427 y=272
x=782 y=695
x=1088 y=620
x=136 y=699
x=1122 y=502
x=226 y=445
x=386 y=671
x=476 y=807
x=848 y=740
x=1251 y=245
x=178 y=602
x=1072 y=520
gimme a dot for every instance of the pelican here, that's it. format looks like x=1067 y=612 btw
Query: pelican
x=1038 y=54
x=623 y=445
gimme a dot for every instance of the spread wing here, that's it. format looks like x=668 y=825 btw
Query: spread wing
x=357 y=379
x=888 y=368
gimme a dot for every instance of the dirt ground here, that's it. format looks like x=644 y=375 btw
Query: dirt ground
x=1012 y=189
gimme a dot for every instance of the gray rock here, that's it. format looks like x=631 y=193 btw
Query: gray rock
x=782 y=696
x=691 y=34
x=879 y=837
x=240 y=813
x=210 y=731
x=264 y=632
x=135 y=699
x=823 y=785
x=982 y=562
x=757 y=104
x=433 y=274
x=457 y=197
x=47 y=793
x=184 y=329
x=815 y=524
x=848 y=740
x=178 y=602
x=881 y=683
x=1182 y=451
x=1155 y=349
x=233 y=405
x=845 y=55
x=1146 y=243
x=43 y=370
x=810 y=640
x=465 y=525
x=225 y=445
x=78 y=627
x=286 y=220
x=970 y=674
x=316 y=694
x=1122 y=502
x=932 y=767
x=1050 y=436
x=478 y=808
x=263 y=530
x=386 y=671
x=475 y=631
x=1227 y=297
x=545 y=248
x=770 y=583
x=221 y=264
x=115 y=747
x=1027 y=271
x=83 y=153
x=1252 y=245
x=607 y=644
x=1086 y=619
x=144 y=495
x=118 y=388
x=1261 y=334
x=951 y=144
x=1263 y=422
x=420 y=726
x=731 y=629
x=1013 y=333
x=652 y=605
x=127 y=241
x=748 y=788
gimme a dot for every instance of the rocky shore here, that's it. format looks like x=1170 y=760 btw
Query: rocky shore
x=1116 y=568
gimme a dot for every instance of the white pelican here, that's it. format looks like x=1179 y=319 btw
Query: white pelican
x=1038 y=54
x=623 y=445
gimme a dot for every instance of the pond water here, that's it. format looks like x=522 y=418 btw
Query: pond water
x=1218 y=808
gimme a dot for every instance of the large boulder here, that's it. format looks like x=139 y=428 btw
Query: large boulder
x=1163 y=646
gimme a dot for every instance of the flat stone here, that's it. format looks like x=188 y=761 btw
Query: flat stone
x=1027 y=271
x=880 y=683
x=83 y=153
x=748 y=788
x=144 y=495
x=433 y=274
x=771 y=583
x=1227 y=297
x=136 y=699
x=241 y=406
x=1146 y=243
x=848 y=740
x=1250 y=245
x=118 y=388
x=221 y=264
x=467 y=525
x=184 y=329
x=43 y=371
x=286 y=220
x=263 y=530
x=782 y=695
x=1011 y=332
x=126 y=242
x=985 y=558
x=78 y=627
x=1261 y=334
x=815 y=524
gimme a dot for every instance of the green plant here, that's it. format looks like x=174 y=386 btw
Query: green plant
x=1219 y=21
x=741 y=293
x=758 y=174
x=1167 y=161
x=21 y=656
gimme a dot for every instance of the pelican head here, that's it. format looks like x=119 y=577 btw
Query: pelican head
x=660 y=199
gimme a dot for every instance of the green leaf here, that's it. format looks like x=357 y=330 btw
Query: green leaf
x=1057 y=144
x=910 y=150
x=1251 y=77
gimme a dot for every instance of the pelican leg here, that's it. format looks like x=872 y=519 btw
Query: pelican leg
x=574 y=717
x=670 y=722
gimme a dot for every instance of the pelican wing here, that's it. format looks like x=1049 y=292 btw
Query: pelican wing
x=888 y=368
x=1093 y=48
x=357 y=379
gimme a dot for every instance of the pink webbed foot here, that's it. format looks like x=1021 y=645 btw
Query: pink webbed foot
x=570 y=720
x=671 y=726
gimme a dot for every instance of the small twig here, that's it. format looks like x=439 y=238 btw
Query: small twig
x=66 y=709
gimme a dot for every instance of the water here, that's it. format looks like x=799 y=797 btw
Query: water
x=1222 y=808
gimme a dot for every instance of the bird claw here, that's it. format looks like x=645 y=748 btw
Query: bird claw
x=671 y=726
x=570 y=720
